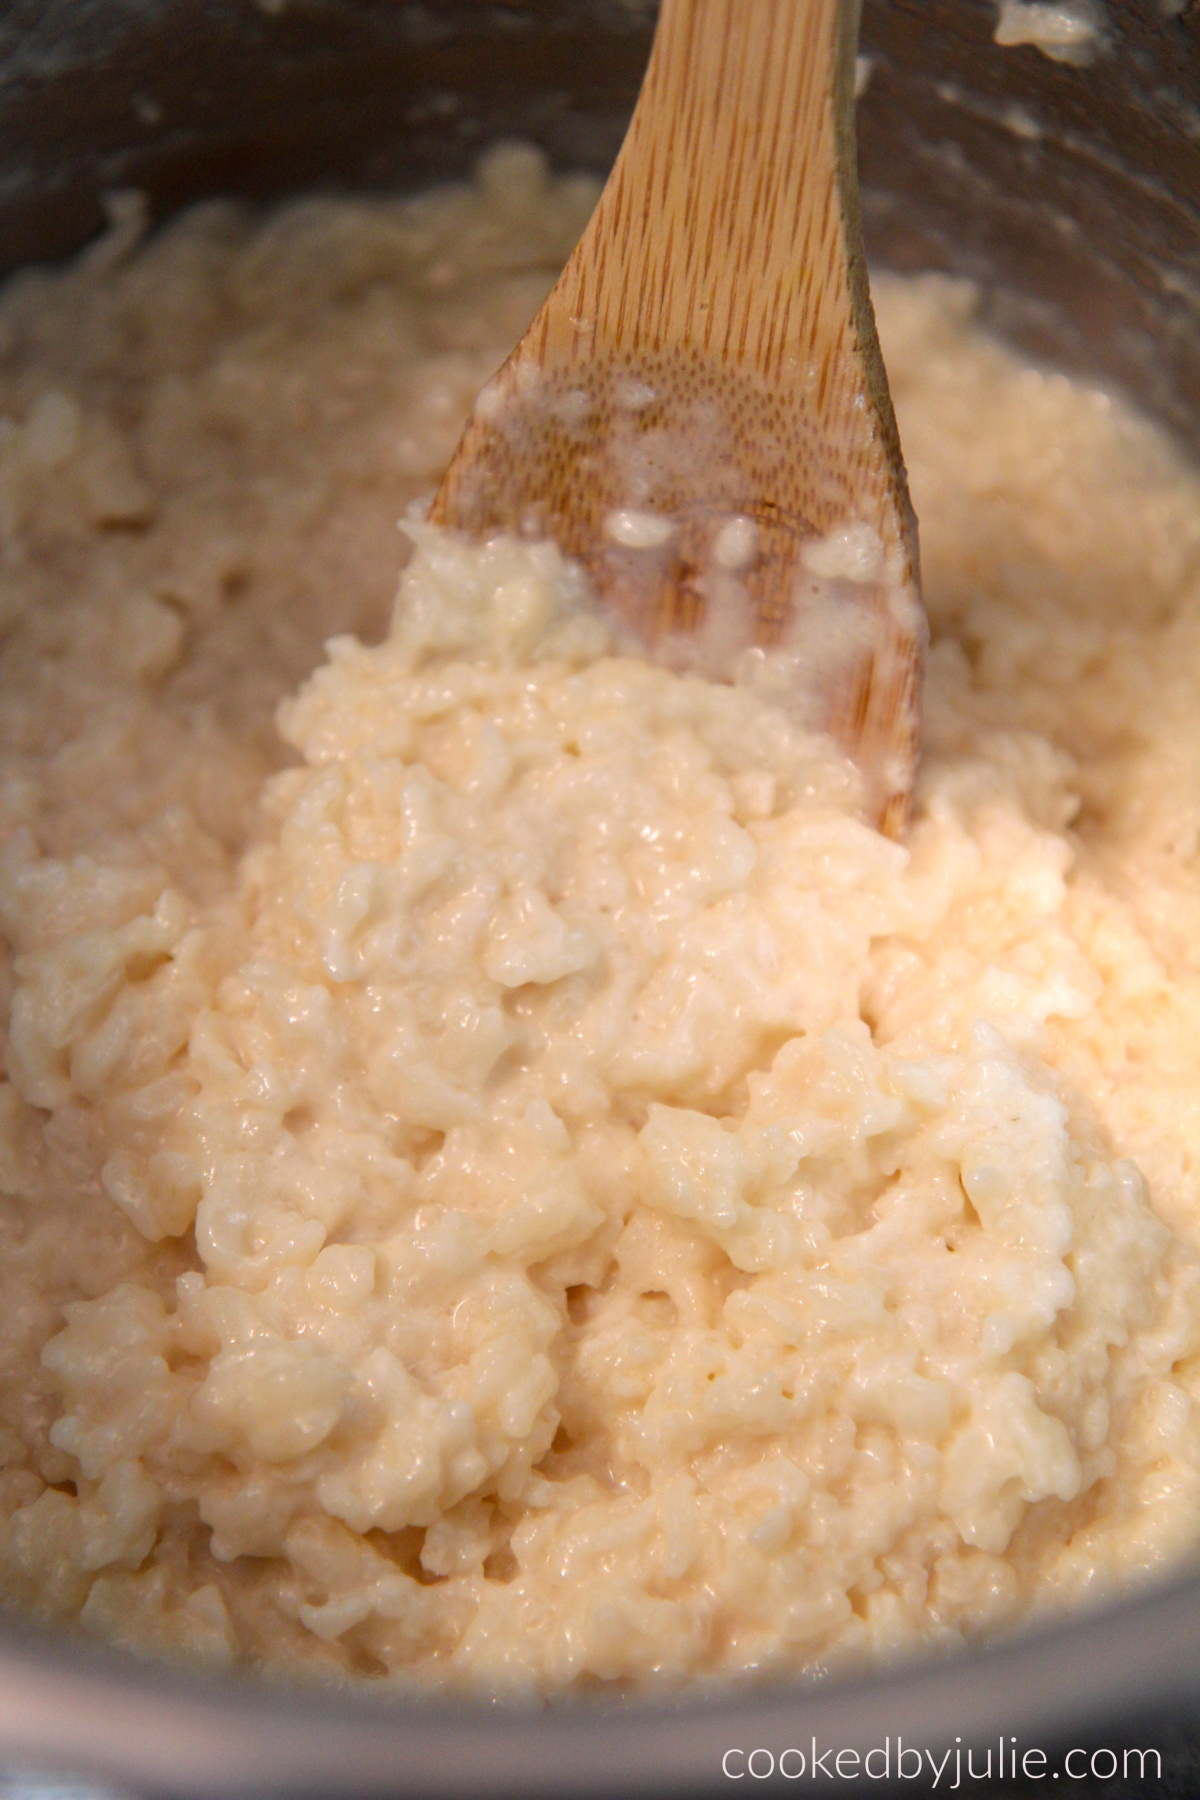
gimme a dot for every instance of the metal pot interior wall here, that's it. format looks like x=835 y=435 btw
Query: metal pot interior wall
x=1071 y=194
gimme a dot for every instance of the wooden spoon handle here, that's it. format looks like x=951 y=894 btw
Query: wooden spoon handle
x=707 y=363
x=732 y=206
x=733 y=228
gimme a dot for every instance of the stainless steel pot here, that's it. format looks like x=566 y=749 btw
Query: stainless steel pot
x=1073 y=196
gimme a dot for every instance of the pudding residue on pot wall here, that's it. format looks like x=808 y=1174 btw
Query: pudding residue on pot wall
x=507 y=1180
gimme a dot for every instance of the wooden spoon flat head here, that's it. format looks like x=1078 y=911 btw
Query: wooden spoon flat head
x=699 y=412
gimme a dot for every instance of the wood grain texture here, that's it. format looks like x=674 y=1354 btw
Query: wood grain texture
x=709 y=356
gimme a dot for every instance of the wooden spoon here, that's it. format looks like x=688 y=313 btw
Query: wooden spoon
x=699 y=412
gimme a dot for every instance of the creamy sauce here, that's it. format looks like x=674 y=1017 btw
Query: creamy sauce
x=1068 y=31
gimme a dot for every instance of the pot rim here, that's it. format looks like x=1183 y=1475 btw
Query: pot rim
x=69 y=1705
